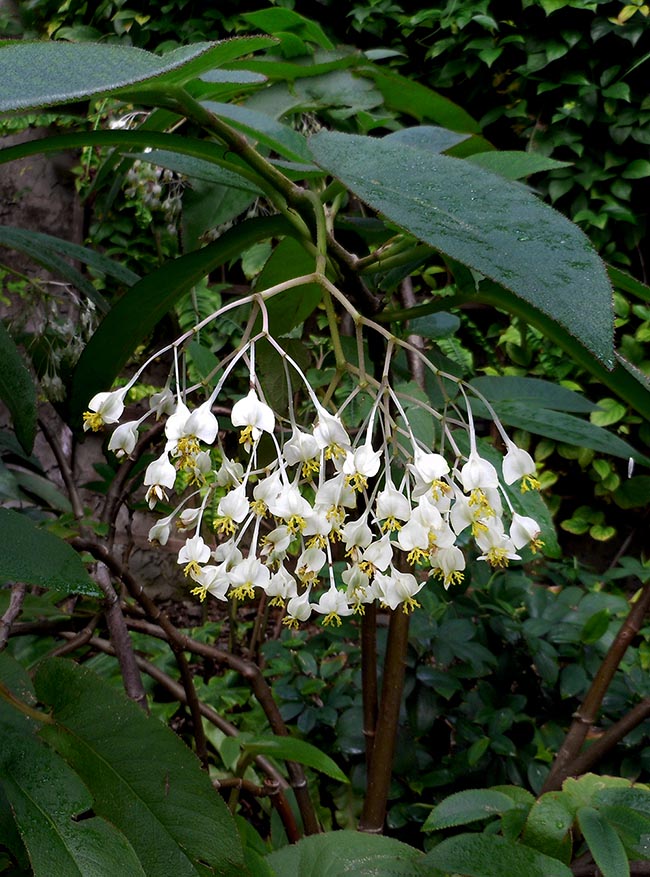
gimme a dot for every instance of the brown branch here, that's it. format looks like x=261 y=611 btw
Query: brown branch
x=64 y=469
x=14 y=609
x=609 y=738
x=587 y=713
x=248 y=670
x=379 y=777
x=369 y=678
x=77 y=640
x=416 y=364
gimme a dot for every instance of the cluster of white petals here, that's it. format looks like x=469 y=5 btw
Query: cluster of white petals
x=323 y=516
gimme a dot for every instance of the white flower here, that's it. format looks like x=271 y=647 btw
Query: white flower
x=188 y=519
x=281 y=587
x=124 y=439
x=448 y=564
x=275 y=544
x=300 y=448
x=246 y=576
x=379 y=554
x=298 y=609
x=498 y=548
x=361 y=464
x=478 y=473
x=160 y=474
x=161 y=531
x=357 y=534
x=184 y=428
x=332 y=604
x=330 y=434
x=517 y=464
x=230 y=473
x=524 y=531
x=309 y=564
x=211 y=579
x=104 y=408
x=193 y=553
x=255 y=416
x=162 y=403
x=398 y=587
x=392 y=507
x=428 y=470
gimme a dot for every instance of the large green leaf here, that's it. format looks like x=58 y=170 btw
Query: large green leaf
x=291 y=749
x=534 y=391
x=40 y=74
x=339 y=853
x=482 y=855
x=198 y=169
x=143 y=779
x=288 y=309
x=548 y=826
x=264 y=129
x=17 y=390
x=513 y=164
x=496 y=227
x=604 y=843
x=137 y=312
x=29 y=554
x=468 y=806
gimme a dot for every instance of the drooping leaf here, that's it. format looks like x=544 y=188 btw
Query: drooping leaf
x=482 y=855
x=17 y=390
x=143 y=779
x=199 y=169
x=338 y=853
x=41 y=74
x=137 y=312
x=29 y=554
x=291 y=749
x=493 y=226
x=604 y=843
x=468 y=806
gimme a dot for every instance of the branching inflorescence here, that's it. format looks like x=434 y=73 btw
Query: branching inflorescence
x=329 y=519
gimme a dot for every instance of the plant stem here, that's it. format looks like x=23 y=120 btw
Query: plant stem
x=379 y=777
x=14 y=609
x=23 y=707
x=369 y=678
x=587 y=713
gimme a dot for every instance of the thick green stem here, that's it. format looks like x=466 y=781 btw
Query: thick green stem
x=379 y=776
x=587 y=713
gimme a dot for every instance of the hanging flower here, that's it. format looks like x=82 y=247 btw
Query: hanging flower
x=104 y=408
x=254 y=416
x=518 y=464
x=160 y=474
x=124 y=439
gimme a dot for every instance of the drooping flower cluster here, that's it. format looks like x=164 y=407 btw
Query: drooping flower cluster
x=323 y=515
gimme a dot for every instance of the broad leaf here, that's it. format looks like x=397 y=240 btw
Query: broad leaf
x=533 y=391
x=291 y=749
x=338 y=853
x=548 y=827
x=468 y=806
x=17 y=391
x=482 y=855
x=493 y=226
x=604 y=844
x=198 y=169
x=41 y=74
x=427 y=137
x=136 y=313
x=29 y=554
x=143 y=779
x=264 y=129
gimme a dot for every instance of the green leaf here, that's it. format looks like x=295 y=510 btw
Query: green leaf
x=515 y=165
x=636 y=169
x=17 y=391
x=595 y=627
x=633 y=492
x=439 y=325
x=133 y=317
x=533 y=391
x=548 y=827
x=288 y=309
x=29 y=554
x=626 y=283
x=481 y=855
x=420 y=102
x=198 y=169
x=604 y=843
x=636 y=798
x=42 y=74
x=426 y=137
x=493 y=226
x=280 y=20
x=468 y=806
x=264 y=129
x=46 y=797
x=291 y=749
x=142 y=777
x=608 y=412
x=337 y=853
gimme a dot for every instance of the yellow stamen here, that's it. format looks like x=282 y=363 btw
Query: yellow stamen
x=416 y=556
x=192 y=567
x=246 y=438
x=356 y=482
x=359 y=609
x=529 y=482
x=438 y=489
x=277 y=601
x=93 y=420
x=334 y=452
x=310 y=467
x=536 y=545
x=243 y=592
x=293 y=623
x=335 y=513
x=260 y=508
x=478 y=527
x=317 y=541
x=478 y=498
x=455 y=577
x=409 y=605
x=200 y=591
x=332 y=618
x=498 y=557
x=225 y=526
x=296 y=524
x=391 y=524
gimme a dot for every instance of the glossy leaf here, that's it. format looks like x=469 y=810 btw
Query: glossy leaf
x=337 y=853
x=41 y=74
x=468 y=806
x=17 y=390
x=533 y=391
x=142 y=777
x=431 y=137
x=291 y=749
x=482 y=855
x=493 y=226
x=137 y=312
x=32 y=555
x=548 y=827
x=604 y=843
